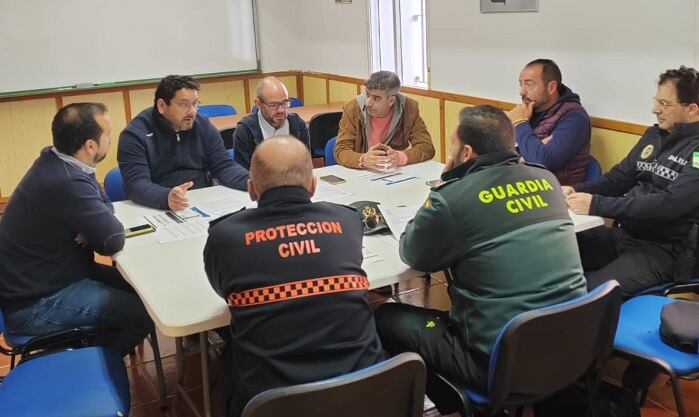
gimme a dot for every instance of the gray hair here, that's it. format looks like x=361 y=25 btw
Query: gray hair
x=384 y=80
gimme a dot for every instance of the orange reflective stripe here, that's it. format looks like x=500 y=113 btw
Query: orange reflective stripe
x=298 y=289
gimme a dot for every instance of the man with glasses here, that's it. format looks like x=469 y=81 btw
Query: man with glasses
x=170 y=148
x=272 y=119
x=382 y=129
x=652 y=193
x=551 y=126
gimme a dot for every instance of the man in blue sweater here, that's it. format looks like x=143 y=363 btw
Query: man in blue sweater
x=272 y=119
x=56 y=219
x=169 y=148
x=551 y=126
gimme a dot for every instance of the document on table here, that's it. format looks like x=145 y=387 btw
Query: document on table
x=184 y=230
x=387 y=178
x=370 y=256
x=217 y=208
x=397 y=217
x=327 y=192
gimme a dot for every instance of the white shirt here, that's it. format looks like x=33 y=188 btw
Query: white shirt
x=74 y=161
x=268 y=131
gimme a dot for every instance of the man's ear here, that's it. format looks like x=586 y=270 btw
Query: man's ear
x=467 y=153
x=551 y=87
x=314 y=184
x=252 y=191
x=161 y=105
x=392 y=100
x=692 y=110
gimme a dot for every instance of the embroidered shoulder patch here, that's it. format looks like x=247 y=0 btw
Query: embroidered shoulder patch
x=645 y=153
x=695 y=160
x=428 y=202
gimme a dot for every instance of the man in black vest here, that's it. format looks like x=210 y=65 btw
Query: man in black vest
x=291 y=273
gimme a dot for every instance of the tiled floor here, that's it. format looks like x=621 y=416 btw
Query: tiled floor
x=141 y=369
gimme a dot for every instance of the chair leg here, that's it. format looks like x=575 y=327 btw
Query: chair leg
x=158 y=369
x=592 y=388
x=677 y=394
x=12 y=361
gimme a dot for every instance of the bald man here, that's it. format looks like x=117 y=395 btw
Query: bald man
x=291 y=272
x=272 y=119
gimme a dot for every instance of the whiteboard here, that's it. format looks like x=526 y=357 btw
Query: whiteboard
x=61 y=44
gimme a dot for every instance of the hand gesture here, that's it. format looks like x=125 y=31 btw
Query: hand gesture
x=177 y=199
x=579 y=202
x=521 y=111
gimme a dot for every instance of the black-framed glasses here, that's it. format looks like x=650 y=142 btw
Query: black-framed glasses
x=664 y=104
x=274 y=105
x=372 y=221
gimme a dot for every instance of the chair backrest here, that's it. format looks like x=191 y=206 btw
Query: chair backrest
x=393 y=388
x=216 y=110
x=295 y=102
x=227 y=136
x=330 y=152
x=322 y=127
x=114 y=185
x=594 y=169
x=544 y=350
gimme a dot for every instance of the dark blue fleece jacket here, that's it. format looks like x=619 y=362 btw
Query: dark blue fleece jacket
x=52 y=204
x=248 y=135
x=153 y=158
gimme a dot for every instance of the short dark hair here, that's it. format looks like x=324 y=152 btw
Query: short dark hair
x=384 y=80
x=74 y=124
x=486 y=129
x=170 y=85
x=685 y=80
x=549 y=72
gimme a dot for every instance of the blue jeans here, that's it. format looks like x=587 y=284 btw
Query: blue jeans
x=105 y=300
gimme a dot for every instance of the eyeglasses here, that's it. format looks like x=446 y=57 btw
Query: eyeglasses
x=186 y=105
x=275 y=105
x=664 y=104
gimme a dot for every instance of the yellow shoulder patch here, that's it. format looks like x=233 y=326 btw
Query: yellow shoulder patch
x=645 y=153
x=428 y=203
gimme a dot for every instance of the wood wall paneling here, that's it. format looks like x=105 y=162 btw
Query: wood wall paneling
x=25 y=129
x=117 y=113
x=610 y=147
x=225 y=92
x=341 y=91
x=140 y=100
x=314 y=90
x=429 y=110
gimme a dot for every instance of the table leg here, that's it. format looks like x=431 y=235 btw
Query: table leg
x=206 y=388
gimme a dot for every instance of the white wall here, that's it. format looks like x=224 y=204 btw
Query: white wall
x=610 y=52
x=314 y=35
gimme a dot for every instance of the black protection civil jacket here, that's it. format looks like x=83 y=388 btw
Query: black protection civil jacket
x=654 y=191
x=291 y=271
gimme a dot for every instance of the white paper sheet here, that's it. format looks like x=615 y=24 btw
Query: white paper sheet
x=182 y=230
x=327 y=192
x=370 y=256
x=387 y=179
x=217 y=208
x=397 y=217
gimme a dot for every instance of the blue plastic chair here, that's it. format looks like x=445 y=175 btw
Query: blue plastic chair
x=216 y=110
x=395 y=387
x=231 y=153
x=594 y=169
x=114 y=185
x=330 y=152
x=638 y=339
x=539 y=352
x=50 y=385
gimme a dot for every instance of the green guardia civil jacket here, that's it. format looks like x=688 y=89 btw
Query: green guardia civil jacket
x=503 y=229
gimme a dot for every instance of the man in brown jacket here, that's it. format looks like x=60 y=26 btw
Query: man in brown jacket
x=382 y=129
